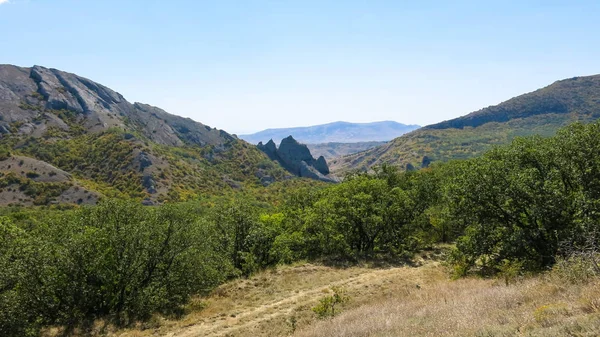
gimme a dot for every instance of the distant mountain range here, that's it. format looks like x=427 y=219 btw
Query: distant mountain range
x=337 y=132
x=541 y=112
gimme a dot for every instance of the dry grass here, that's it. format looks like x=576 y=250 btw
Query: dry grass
x=275 y=303
x=541 y=306
x=392 y=301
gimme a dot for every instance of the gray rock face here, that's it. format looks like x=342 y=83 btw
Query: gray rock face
x=321 y=165
x=15 y=85
x=162 y=127
x=293 y=153
x=144 y=160
x=37 y=93
x=296 y=158
x=270 y=149
x=310 y=172
x=149 y=184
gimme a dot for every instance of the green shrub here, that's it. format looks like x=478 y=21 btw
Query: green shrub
x=327 y=304
x=510 y=270
x=118 y=260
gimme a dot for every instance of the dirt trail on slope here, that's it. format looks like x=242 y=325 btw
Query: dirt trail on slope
x=276 y=309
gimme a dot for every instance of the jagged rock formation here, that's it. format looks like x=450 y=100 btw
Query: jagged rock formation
x=296 y=158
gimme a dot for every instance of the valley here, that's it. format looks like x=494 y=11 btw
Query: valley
x=334 y=150
x=336 y=132
x=155 y=225
x=299 y=169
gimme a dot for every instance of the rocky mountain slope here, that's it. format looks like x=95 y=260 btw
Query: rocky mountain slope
x=96 y=141
x=33 y=98
x=540 y=112
x=338 y=132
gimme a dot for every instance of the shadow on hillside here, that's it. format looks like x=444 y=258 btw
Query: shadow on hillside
x=383 y=261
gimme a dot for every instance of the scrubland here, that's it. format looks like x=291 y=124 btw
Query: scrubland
x=417 y=299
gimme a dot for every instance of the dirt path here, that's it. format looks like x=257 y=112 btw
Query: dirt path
x=361 y=287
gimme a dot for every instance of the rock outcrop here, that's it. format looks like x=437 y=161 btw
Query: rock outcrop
x=296 y=158
x=34 y=97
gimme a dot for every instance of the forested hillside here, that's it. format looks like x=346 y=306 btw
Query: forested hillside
x=516 y=209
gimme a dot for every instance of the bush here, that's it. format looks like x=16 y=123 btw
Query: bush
x=327 y=304
x=577 y=269
x=520 y=202
x=118 y=260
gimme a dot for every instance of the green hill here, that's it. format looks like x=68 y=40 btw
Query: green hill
x=542 y=112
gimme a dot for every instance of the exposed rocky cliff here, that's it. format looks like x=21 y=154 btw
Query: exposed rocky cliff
x=296 y=158
x=34 y=97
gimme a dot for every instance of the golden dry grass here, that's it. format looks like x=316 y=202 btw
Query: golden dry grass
x=276 y=302
x=392 y=301
x=541 y=306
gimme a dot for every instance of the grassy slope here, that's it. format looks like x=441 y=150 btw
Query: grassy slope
x=385 y=301
x=106 y=162
x=447 y=144
x=540 y=306
x=540 y=112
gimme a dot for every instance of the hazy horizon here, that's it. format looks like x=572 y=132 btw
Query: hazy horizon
x=246 y=66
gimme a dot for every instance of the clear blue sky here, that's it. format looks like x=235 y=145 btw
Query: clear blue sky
x=248 y=65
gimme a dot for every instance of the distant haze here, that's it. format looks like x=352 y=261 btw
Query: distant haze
x=338 y=132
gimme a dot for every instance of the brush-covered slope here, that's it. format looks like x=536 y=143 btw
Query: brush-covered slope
x=540 y=112
x=109 y=146
x=339 y=132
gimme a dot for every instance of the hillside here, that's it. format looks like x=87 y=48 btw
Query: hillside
x=514 y=227
x=338 y=132
x=542 y=112
x=100 y=143
x=392 y=301
x=333 y=150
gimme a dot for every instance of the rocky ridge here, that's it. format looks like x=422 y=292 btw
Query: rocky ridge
x=297 y=159
x=33 y=97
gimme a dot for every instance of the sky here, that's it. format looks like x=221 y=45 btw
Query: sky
x=245 y=65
